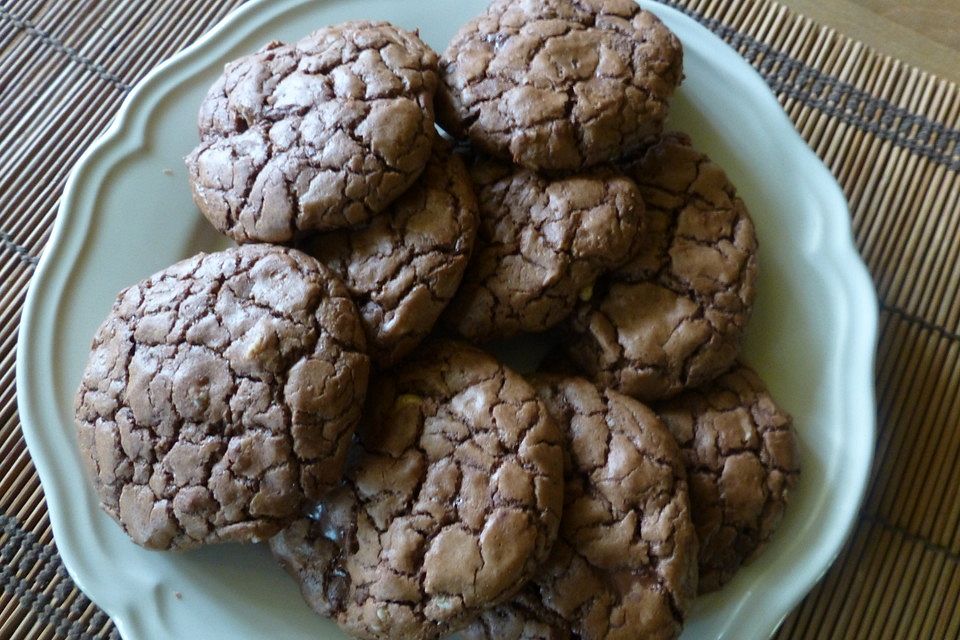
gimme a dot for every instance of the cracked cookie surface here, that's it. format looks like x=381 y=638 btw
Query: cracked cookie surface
x=673 y=316
x=541 y=244
x=559 y=84
x=625 y=562
x=741 y=455
x=219 y=394
x=316 y=135
x=450 y=500
x=404 y=267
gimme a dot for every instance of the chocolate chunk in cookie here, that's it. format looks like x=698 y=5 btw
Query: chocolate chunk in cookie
x=404 y=267
x=625 y=562
x=220 y=393
x=320 y=134
x=523 y=618
x=559 y=84
x=674 y=315
x=740 y=450
x=541 y=244
x=450 y=501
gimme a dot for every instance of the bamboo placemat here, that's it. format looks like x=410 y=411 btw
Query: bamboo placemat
x=890 y=133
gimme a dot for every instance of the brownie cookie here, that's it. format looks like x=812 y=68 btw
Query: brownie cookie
x=559 y=84
x=319 y=134
x=741 y=456
x=403 y=268
x=541 y=244
x=450 y=501
x=523 y=618
x=674 y=315
x=219 y=394
x=625 y=563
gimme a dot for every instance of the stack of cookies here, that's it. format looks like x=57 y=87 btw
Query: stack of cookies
x=323 y=386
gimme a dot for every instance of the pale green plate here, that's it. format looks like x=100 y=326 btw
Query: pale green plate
x=127 y=213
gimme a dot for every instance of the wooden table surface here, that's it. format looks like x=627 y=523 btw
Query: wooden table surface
x=923 y=33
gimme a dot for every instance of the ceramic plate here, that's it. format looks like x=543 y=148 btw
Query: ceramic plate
x=127 y=213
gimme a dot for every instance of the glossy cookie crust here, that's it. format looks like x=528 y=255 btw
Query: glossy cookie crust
x=624 y=565
x=559 y=84
x=740 y=450
x=450 y=502
x=220 y=394
x=674 y=315
x=320 y=134
x=541 y=244
x=406 y=264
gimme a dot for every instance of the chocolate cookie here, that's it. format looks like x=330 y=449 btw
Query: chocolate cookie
x=403 y=268
x=523 y=618
x=541 y=244
x=559 y=84
x=625 y=563
x=319 y=134
x=219 y=394
x=741 y=455
x=674 y=315
x=450 y=501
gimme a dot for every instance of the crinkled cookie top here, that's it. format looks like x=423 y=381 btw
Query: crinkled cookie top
x=625 y=562
x=559 y=84
x=540 y=245
x=450 y=501
x=740 y=450
x=219 y=394
x=673 y=317
x=404 y=267
x=320 y=134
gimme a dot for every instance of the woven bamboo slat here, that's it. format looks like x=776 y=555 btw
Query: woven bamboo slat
x=889 y=132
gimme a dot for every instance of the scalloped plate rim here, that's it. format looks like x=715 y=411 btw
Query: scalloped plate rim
x=72 y=228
